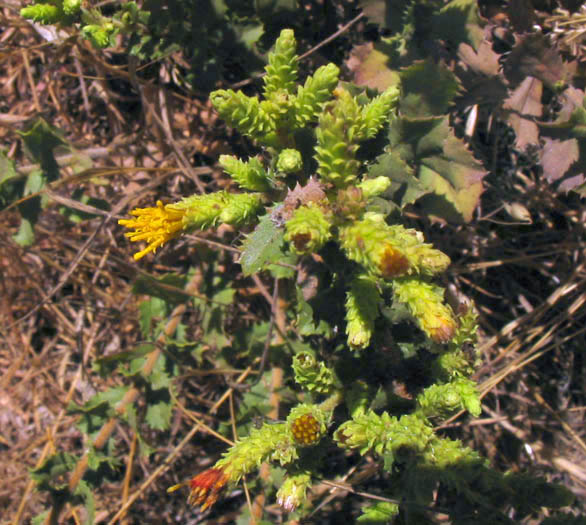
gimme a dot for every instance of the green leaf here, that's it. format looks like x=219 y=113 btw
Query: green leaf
x=84 y=491
x=459 y=22
x=278 y=271
x=96 y=458
x=160 y=378
x=305 y=322
x=214 y=313
x=10 y=181
x=31 y=208
x=76 y=215
x=152 y=310
x=25 y=235
x=106 y=365
x=388 y=15
x=109 y=398
x=405 y=186
x=53 y=467
x=158 y=415
x=169 y=288
x=379 y=513
x=98 y=409
x=262 y=247
x=40 y=141
x=40 y=519
x=428 y=89
x=449 y=178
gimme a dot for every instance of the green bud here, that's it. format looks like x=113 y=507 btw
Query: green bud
x=292 y=492
x=467 y=328
x=244 y=113
x=202 y=211
x=451 y=365
x=316 y=91
x=71 y=7
x=423 y=258
x=385 y=434
x=370 y=243
x=289 y=161
x=425 y=303
x=335 y=151
x=443 y=400
x=249 y=175
x=270 y=442
x=282 y=67
x=445 y=454
x=313 y=375
x=308 y=229
x=373 y=187
x=43 y=13
x=346 y=107
x=241 y=207
x=376 y=112
x=98 y=35
x=361 y=311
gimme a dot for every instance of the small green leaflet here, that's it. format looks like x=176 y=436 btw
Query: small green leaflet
x=262 y=247
x=379 y=513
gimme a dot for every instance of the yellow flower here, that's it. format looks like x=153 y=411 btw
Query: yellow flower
x=156 y=226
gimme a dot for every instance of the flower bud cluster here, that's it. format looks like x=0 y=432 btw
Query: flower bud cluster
x=333 y=207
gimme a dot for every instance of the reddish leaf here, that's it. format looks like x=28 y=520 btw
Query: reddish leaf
x=557 y=157
x=533 y=56
x=521 y=15
x=428 y=88
x=484 y=60
x=369 y=64
x=525 y=104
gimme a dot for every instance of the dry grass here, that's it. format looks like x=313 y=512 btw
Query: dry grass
x=66 y=300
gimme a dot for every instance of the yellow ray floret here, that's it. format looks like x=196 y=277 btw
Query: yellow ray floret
x=156 y=226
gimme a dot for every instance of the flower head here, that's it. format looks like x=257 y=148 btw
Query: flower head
x=205 y=487
x=156 y=226
x=306 y=429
